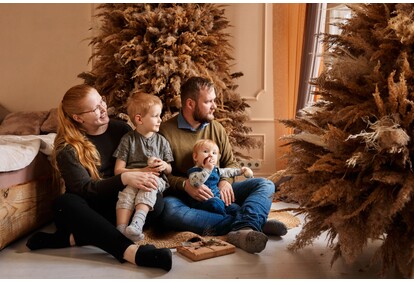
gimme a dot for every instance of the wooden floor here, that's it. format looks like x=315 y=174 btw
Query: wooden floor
x=276 y=261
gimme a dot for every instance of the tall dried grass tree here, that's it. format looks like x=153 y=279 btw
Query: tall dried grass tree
x=154 y=48
x=350 y=158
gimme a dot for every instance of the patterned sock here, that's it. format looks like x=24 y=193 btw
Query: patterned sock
x=121 y=228
x=134 y=230
x=274 y=227
x=248 y=240
x=42 y=240
x=150 y=256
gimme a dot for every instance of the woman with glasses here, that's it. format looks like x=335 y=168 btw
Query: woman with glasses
x=82 y=157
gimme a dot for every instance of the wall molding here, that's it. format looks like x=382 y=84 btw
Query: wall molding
x=263 y=90
x=263 y=120
x=258 y=153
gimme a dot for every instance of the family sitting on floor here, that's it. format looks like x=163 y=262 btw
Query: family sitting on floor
x=178 y=174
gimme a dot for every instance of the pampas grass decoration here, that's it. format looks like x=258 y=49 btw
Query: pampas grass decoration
x=350 y=159
x=154 y=48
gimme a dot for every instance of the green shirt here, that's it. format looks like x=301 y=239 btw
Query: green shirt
x=182 y=141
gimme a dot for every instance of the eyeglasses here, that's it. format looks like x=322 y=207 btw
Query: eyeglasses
x=98 y=107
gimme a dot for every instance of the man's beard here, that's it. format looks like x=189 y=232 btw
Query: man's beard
x=201 y=118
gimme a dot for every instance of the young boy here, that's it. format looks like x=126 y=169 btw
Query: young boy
x=145 y=150
x=205 y=171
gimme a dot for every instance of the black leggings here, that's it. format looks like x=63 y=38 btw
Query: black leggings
x=73 y=215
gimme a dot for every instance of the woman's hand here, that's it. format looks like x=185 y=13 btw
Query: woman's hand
x=146 y=181
x=200 y=193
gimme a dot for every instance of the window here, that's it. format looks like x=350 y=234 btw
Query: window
x=320 y=18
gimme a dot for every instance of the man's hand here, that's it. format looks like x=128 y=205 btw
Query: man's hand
x=200 y=193
x=226 y=192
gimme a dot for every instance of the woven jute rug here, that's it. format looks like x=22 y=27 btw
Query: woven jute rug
x=173 y=239
x=287 y=218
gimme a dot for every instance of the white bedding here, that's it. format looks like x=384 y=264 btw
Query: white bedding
x=16 y=152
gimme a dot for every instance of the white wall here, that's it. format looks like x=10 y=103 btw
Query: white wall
x=45 y=46
x=252 y=41
x=43 y=49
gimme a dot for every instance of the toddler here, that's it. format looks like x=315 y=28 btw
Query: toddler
x=146 y=150
x=205 y=171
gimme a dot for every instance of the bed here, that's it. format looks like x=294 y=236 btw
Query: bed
x=27 y=189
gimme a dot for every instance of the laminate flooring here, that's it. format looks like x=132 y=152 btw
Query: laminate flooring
x=276 y=261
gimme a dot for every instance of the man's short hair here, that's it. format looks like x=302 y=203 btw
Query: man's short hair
x=191 y=88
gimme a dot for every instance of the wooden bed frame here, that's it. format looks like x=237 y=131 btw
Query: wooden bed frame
x=26 y=198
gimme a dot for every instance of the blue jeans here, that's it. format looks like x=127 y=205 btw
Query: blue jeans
x=254 y=196
x=214 y=204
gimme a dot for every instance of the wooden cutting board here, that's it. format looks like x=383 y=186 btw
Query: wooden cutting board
x=205 y=249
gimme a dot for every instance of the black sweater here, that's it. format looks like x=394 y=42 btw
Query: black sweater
x=77 y=178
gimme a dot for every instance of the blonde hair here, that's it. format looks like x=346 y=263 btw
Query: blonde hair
x=69 y=132
x=140 y=103
x=204 y=142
